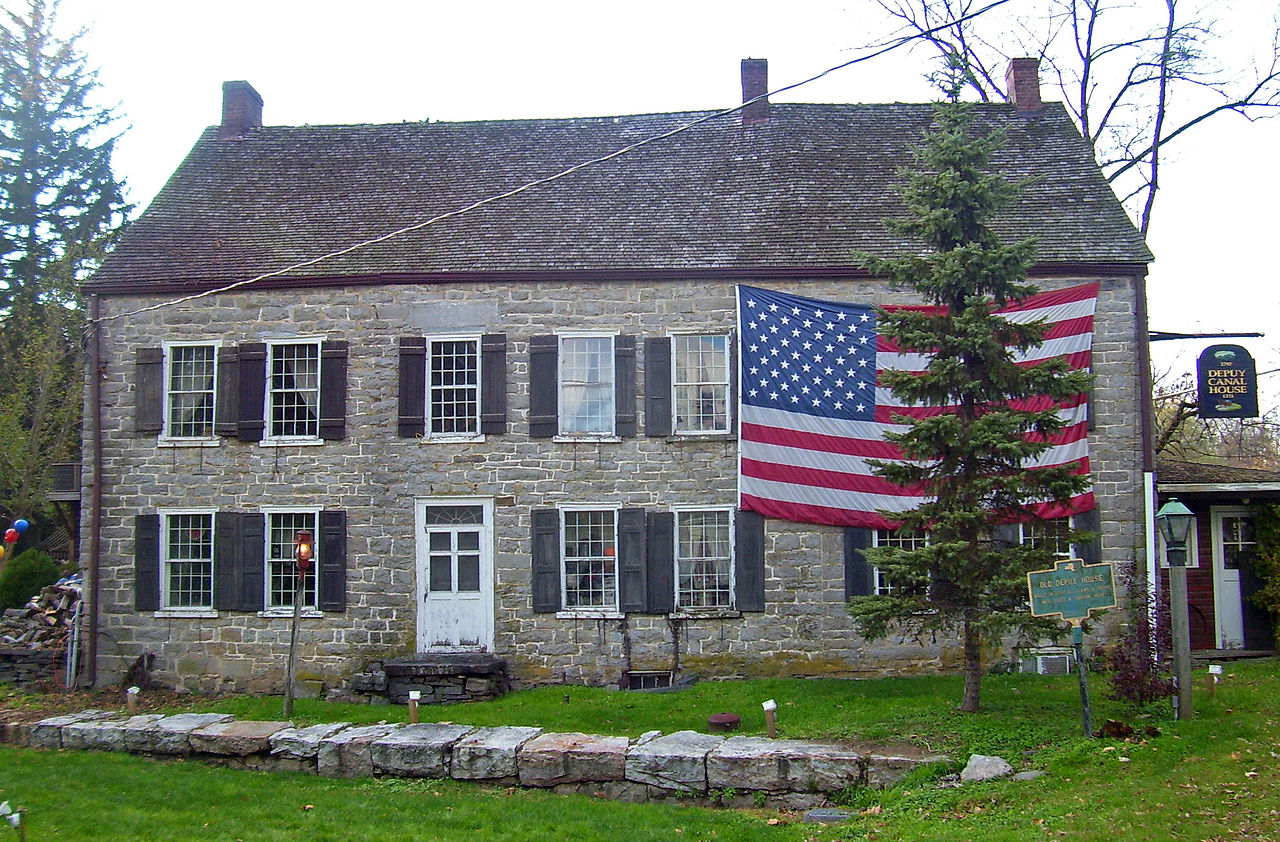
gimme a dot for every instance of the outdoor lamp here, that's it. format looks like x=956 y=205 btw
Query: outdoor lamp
x=303 y=550
x=1174 y=522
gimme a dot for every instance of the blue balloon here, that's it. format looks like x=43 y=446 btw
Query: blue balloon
x=21 y=526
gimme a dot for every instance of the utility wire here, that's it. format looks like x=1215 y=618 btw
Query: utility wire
x=886 y=47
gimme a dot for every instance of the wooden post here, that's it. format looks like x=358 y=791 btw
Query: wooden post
x=414 y=695
x=771 y=718
x=1086 y=710
x=1179 y=616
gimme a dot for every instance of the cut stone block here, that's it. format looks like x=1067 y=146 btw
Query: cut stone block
x=552 y=759
x=170 y=735
x=489 y=753
x=304 y=743
x=236 y=739
x=346 y=754
x=422 y=750
x=47 y=733
x=757 y=763
x=677 y=761
x=106 y=734
x=887 y=767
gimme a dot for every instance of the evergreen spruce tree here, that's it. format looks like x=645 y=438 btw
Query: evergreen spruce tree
x=970 y=461
x=61 y=209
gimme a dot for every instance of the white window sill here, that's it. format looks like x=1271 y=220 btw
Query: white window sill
x=291 y=442
x=705 y=614
x=589 y=615
x=429 y=439
x=164 y=441
x=187 y=613
x=587 y=439
x=702 y=436
x=306 y=613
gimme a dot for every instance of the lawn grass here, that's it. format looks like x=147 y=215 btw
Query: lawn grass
x=1214 y=777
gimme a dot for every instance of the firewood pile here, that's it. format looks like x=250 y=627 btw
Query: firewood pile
x=45 y=621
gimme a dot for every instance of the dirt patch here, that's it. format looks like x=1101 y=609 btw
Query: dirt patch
x=33 y=705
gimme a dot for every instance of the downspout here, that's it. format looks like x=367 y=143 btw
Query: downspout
x=1146 y=414
x=90 y=669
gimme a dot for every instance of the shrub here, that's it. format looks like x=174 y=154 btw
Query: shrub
x=25 y=575
x=1140 y=659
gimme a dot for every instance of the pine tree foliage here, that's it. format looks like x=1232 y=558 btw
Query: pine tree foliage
x=969 y=461
x=60 y=205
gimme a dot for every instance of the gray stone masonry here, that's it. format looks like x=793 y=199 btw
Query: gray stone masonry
x=375 y=476
x=677 y=761
x=551 y=759
x=348 y=753
x=791 y=774
x=421 y=750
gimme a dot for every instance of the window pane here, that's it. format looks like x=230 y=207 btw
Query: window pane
x=453 y=405
x=586 y=384
x=1052 y=535
x=1238 y=541
x=189 y=561
x=469 y=573
x=283 y=527
x=447 y=515
x=903 y=539
x=701 y=379
x=190 y=392
x=589 y=560
x=295 y=390
x=703 y=560
x=441 y=572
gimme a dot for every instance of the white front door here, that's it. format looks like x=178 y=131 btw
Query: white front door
x=1232 y=539
x=455 y=574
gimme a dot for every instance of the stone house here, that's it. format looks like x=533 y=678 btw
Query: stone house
x=499 y=387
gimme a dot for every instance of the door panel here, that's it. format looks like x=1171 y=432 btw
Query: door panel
x=455 y=575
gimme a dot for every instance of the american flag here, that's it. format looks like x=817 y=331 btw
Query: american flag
x=812 y=413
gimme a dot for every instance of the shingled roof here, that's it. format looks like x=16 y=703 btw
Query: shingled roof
x=807 y=190
x=1171 y=472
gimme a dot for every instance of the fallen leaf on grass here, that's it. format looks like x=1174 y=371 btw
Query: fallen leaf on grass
x=308 y=807
x=873 y=810
x=1251 y=774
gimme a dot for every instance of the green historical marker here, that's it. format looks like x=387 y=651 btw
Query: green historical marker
x=1073 y=589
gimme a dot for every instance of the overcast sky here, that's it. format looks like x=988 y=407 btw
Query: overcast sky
x=324 y=61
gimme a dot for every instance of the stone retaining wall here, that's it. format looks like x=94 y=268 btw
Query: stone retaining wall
x=734 y=771
x=25 y=667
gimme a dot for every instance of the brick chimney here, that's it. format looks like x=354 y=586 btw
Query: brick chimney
x=1022 y=81
x=755 y=83
x=241 y=109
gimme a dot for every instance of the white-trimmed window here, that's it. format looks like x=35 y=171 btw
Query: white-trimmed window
x=293 y=390
x=589 y=553
x=704 y=558
x=903 y=539
x=700 y=383
x=186 y=560
x=190 y=389
x=586 y=382
x=1192 y=546
x=1053 y=535
x=453 y=387
x=281 y=572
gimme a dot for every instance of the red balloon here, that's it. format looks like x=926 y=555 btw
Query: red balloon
x=11 y=536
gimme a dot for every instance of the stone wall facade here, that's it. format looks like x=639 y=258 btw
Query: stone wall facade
x=376 y=477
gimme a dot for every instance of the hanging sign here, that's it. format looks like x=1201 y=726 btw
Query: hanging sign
x=1228 y=383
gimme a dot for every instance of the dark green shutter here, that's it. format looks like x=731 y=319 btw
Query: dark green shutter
x=624 y=392
x=413 y=387
x=227 y=560
x=253 y=390
x=148 y=408
x=544 y=403
x=657 y=386
x=333 y=390
x=333 y=560
x=662 y=562
x=633 y=563
x=227 y=408
x=1091 y=521
x=493 y=384
x=749 y=561
x=146 y=562
x=859 y=575
x=252 y=562
x=545 y=569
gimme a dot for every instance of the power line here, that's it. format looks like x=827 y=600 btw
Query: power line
x=883 y=49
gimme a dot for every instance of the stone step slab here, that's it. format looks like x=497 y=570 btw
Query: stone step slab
x=886 y=768
x=490 y=753
x=758 y=763
x=104 y=734
x=421 y=750
x=347 y=754
x=304 y=743
x=47 y=733
x=676 y=761
x=552 y=759
x=236 y=739
x=169 y=735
